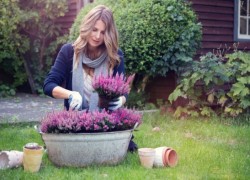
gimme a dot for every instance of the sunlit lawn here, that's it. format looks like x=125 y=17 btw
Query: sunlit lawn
x=207 y=149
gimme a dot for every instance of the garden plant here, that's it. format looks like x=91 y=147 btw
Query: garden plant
x=216 y=84
x=29 y=40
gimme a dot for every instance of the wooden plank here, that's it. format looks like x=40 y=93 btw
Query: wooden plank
x=244 y=46
x=215 y=16
x=216 y=38
x=213 y=9
x=217 y=31
x=227 y=3
x=72 y=6
x=66 y=19
x=71 y=13
x=216 y=45
x=211 y=23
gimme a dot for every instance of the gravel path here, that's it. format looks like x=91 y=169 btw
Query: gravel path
x=27 y=107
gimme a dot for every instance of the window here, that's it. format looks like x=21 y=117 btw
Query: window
x=242 y=20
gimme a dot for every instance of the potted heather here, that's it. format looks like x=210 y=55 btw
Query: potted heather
x=111 y=87
x=81 y=138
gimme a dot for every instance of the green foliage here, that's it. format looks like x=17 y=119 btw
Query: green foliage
x=6 y=91
x=44 y=35
x=156 y=36
x=136 y=99
x=239 y=64
x=217 y=82
x=28 y=39
x=12 y=43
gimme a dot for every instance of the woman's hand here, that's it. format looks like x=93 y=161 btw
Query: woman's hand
x=75 y=100
x=117 y=103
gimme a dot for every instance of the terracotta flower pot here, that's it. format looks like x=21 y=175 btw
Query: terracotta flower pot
x=10 y=159
x=171 y=157
x=165 y=156
x=32 y=157
x=146 y=156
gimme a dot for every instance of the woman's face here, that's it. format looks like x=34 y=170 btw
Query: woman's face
x=97 y=35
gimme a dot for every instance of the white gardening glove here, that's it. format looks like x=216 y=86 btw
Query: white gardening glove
x=116 y=103
x=75 y=100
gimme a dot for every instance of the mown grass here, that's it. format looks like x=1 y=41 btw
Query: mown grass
x=207 y=149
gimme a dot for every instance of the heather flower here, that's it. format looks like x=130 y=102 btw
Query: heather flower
x=126 y=118
x=96 y=121
x=112 y=86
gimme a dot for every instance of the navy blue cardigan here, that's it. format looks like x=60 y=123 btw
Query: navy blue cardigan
x=61 y=72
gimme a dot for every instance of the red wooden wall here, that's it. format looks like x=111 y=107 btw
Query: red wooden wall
x=69 y=17
x=74 y=6
x=217 y=19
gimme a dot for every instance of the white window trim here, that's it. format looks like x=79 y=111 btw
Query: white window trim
x=238 y=36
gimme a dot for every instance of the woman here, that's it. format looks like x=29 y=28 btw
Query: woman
x=95 y=51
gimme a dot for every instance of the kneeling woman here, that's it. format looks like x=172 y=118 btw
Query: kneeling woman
x=94 y=52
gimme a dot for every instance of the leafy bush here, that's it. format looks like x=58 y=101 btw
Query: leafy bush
x=29 y=39
x=12 y=43
x=44 y=36
x=136 y=99
x=216 y=83
x=239 y=94
x=156 y=36
x=6 y=91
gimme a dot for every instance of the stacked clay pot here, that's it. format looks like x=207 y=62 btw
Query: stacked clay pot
x=165 y=156
x=146 y=156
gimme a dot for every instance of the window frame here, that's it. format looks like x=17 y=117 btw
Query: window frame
x=237 y=36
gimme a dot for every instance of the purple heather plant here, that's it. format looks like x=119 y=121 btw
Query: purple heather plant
x=82 y=121
x=112 y=86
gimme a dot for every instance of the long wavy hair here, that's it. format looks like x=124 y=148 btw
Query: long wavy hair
x=104 y=14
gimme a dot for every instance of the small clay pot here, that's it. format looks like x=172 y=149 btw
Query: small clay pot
x=171 y=158
x=160 y=153
x=10 y=159
x=32 y=157
x=146 y=156
x=165 y=156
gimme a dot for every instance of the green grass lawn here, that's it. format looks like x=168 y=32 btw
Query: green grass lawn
x=207 y=149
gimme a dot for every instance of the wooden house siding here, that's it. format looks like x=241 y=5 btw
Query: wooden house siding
x=217 y=19
x=74 y=7
x=67 y=20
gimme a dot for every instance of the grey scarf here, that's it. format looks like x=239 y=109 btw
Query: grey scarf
x=100 y=66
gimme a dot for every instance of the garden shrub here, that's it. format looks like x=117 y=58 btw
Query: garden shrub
x=12 y=44
x=216 y=84
x=156 y=36
x=29 y=40
x=239 y=94
x=6 y=91
x=137 y=99
x=44 y=36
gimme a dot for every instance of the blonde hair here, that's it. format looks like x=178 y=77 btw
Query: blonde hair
x=104 y=14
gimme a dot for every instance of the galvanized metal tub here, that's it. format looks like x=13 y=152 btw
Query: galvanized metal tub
x=84 y=149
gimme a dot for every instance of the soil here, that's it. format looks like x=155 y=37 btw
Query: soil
x=27 y=107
